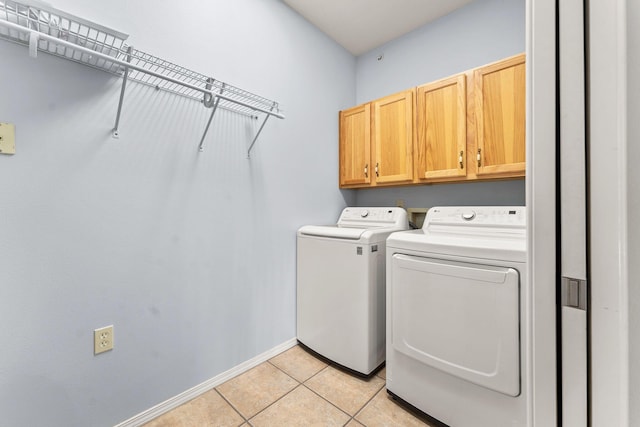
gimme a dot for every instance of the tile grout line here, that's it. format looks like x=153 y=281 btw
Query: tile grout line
x=283 y=371
x=302 y=383
x=273 y=403
x=329 y=402
x=248 y=420
x=351 y=417
x=316 y=374
x=245 y=420
x=384 y=384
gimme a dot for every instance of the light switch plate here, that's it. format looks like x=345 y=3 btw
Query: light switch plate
x=7 y=138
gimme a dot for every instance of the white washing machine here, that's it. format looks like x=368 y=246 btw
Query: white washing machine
x=341 y=286
x=458 y=318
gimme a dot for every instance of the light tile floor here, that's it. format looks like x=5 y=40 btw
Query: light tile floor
x=294 y=388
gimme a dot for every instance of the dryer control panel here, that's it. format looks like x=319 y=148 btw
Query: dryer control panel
x=477 y=216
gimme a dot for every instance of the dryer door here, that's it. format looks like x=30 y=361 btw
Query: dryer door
x=460 y=318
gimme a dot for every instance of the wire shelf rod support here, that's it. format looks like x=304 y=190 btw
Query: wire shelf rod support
x=255 y=138
x=125 y=76
x=206 y=129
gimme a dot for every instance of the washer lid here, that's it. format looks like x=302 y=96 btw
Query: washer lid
x=334 y=231
x=363 y=224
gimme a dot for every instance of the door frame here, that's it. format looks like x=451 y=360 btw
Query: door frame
x=541 y=211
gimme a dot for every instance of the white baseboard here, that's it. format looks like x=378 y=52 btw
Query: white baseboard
x=184 y=397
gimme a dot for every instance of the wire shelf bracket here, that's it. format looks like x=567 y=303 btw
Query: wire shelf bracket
x=65 y=35
x=125 y=77
x=255 y=138
x=208 y=102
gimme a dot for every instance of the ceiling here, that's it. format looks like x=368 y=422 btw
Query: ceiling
x=361 y=25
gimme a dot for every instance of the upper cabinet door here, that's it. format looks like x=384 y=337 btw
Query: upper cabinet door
x=393 y=138
x=355 y=146
x=441 y=125
x=500 y=117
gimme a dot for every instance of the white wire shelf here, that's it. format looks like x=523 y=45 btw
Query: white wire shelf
x=44 y=29
x=61 y=26
x=154 y=71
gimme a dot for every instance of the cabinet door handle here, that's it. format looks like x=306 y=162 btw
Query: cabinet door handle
x=460 y=160
x=478 y=157
x=366 y=170
x=377 y=172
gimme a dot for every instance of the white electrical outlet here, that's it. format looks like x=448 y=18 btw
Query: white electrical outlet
x=103 y=339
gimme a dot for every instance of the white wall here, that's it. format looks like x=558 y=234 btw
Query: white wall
x=479 y=33
x=190 y=255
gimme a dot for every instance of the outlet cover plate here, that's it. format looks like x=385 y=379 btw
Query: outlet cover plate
x=103 y=339
x=7 y=138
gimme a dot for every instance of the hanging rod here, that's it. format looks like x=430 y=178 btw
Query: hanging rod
x=120 y=59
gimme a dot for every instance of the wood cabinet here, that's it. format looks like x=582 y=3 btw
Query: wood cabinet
x=470 y=126
x=376 y=142
x=355 y=146
x=500 y=118
x=393 y=138
x=441 y=128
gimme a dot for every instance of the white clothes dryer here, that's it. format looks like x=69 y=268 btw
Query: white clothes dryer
x=341 y=286
x=458 y=318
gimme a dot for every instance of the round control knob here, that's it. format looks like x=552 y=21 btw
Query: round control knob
x=364 y=213
x=468 y=216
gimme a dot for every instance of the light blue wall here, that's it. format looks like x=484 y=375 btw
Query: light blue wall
x=190 y=255
x=479 y=33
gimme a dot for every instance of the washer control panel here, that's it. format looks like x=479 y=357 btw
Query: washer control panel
x=372 y=217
